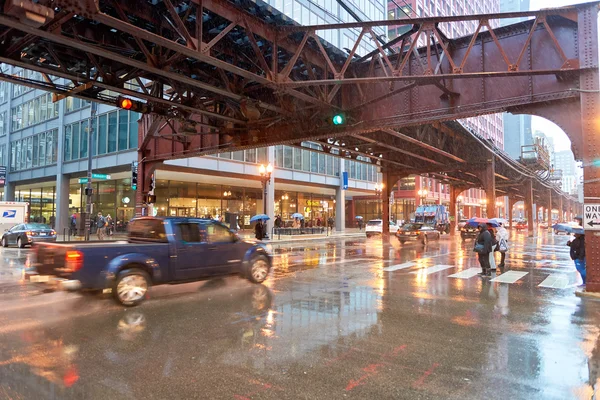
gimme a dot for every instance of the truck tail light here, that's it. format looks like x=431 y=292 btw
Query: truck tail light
x=74 y=260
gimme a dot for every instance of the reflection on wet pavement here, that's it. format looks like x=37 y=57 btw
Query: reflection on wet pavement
x=339 y=318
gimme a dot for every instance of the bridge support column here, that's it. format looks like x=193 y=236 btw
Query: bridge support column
x=511 y=204
x=488 y=178
x=549 y=210
x=385 y=205
x=529 y=206
x=455 y=191
x=340 y=201
x=561 y=211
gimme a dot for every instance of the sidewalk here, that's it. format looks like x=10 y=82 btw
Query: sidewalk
x=352 y=232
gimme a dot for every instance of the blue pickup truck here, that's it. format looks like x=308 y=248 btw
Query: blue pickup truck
x=158 y=251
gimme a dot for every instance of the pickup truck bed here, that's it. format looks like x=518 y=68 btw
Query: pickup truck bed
x=50 y=258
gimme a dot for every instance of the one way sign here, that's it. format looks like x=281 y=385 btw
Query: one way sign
x=591 y=217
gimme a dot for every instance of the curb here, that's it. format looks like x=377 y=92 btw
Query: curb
x=272 y=242
x=587 y=295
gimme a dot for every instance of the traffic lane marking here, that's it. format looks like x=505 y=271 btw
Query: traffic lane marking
x=509 y=277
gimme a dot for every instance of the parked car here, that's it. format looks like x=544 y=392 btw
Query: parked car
x=26 y=234
x=374 y=227
x=521 y=225
x=158 y=251
x=543 y=225
x=417 y=232
x=468 y=231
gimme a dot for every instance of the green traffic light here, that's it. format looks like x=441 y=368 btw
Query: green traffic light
x=338 y=119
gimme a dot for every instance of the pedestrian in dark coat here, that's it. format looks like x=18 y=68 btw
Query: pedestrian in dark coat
x=259 y=230
x=578 y=254
x=484 y=243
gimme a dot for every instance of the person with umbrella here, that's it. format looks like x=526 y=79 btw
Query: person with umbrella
x=502 y=238
x=483 y=248
x=259 y=229
x=577 y=252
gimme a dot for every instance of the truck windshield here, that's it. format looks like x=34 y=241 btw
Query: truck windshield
x=151 y=230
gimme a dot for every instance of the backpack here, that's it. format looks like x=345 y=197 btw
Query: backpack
x=101 y=222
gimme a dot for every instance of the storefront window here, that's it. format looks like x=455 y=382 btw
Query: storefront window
x=125 y=200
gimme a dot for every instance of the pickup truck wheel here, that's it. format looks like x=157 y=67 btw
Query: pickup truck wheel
x=131 y=287
x=259 y=270
x=4 y=242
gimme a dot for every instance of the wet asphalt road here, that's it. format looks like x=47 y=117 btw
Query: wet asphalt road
x=339 y=318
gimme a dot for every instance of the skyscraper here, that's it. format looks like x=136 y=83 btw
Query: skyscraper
x=517 y=133
x=565 y=162
x=517 y=128
x=513 y=6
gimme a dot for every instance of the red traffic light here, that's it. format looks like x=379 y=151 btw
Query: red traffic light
x=125 y=104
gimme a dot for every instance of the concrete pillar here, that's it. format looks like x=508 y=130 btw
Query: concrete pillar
x=271 y=191
x=340 y=201
x=529 y=206
x=62 y=203
x=9 y=190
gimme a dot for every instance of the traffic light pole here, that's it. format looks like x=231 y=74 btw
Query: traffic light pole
x=88 y=188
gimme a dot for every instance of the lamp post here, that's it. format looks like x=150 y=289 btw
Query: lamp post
x=459 y=200
x=423 y=195
x=378 y=190
x=265 y=178
x=499 y=205
x=483 y=203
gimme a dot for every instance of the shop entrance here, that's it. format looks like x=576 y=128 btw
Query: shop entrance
x=124 y=215
x=182 y=211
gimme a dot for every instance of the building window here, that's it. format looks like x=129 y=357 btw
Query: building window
x=34 y=151
x=33 y=112
x=74 y=103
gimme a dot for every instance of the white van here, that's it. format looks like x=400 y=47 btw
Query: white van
x=374 y=227
x=12 y=213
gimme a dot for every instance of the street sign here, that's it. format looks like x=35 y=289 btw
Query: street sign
x=134 y=175
x=100 y=177
x=591 y=217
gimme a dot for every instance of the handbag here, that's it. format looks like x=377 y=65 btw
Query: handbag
x=503 y=246
x=479 y=248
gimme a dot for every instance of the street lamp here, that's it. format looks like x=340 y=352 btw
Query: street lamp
x=459 y=200
x=483 y=203
x=378 y=191
x=422 y=195
x=265 y=178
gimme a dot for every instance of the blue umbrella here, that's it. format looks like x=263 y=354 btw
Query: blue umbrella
x=358 y=217
x=562 y=228
x=476 y=221
x=577 y=230
x=259 y=217
x=297 y=215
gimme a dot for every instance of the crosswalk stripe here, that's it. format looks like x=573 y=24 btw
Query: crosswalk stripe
x=400 y=266
x=432 y=270
x=466 y=274
x=509 y=277
x=555 y=281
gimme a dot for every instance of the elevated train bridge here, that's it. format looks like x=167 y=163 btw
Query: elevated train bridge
x=220 y=75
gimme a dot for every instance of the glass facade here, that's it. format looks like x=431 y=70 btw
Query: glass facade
x=114 y=198
x=33 y=112
x=41 y=203
x=190 y=199
x=316 y=208
x=116 y=131
x=74 y=103
x=38 y=150
x=307 y=160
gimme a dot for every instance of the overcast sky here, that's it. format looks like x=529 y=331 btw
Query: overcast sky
x=561 y=141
